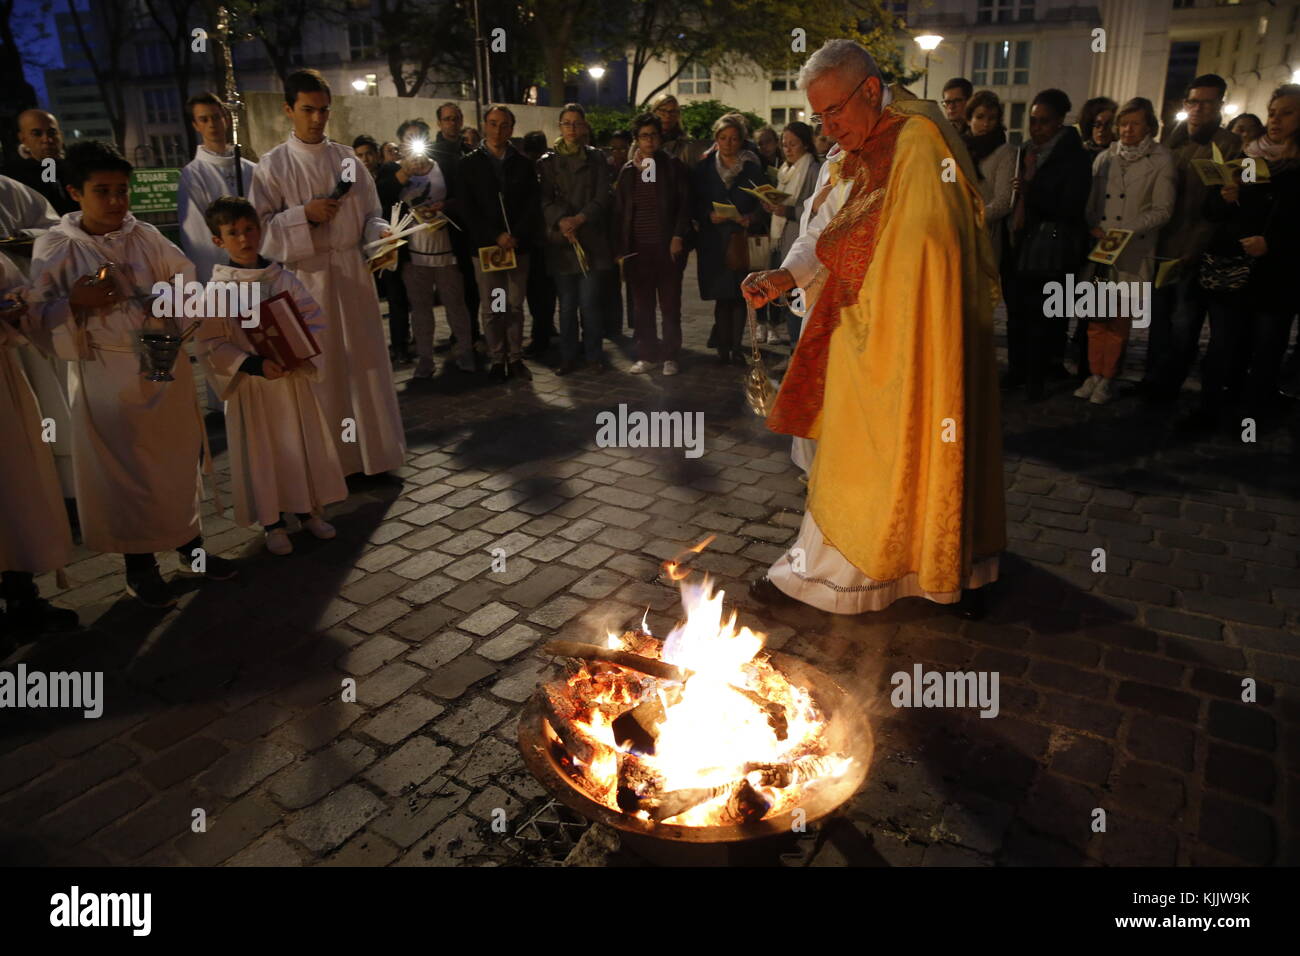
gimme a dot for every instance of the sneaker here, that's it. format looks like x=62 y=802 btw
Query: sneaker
x=424 y=368
x=1102 y=393
x=1089 y=385
x=640 y=367
x=520 y=370
x=277 y=541
x=215 y=569
x=150 y=589
x=319 y=527
x=760 y=334
x=670 y=367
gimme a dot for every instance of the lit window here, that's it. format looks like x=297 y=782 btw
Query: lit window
x=694 y=80
x=778 y=117
x=1005 y=11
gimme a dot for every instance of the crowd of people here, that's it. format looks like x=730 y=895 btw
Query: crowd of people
x=601 y=235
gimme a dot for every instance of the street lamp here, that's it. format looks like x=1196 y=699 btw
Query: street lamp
x=597 y=72
x=359 y=85
x=1295 y=77
x=928 y=42
x=1231 y=109
x=1181 y=115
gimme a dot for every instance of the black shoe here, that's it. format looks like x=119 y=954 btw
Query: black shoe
x=497 y=373
x=971 y=606
x=768 y=594
x=738 y=357
x=150 y=589
x=520 y=370
x=214 y=568
x=38 y=614
x=567 y=368
x=723 y=357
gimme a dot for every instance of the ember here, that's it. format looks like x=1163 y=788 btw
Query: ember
x=701 y=729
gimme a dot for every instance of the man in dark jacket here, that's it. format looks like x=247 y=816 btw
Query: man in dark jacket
x=494 y=178
x=1049 y=240
x=652 y=220
x=40 y=139
x=447 y=150
x=1178 y=309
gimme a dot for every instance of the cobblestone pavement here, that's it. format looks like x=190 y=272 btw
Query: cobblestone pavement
x=1119 y=690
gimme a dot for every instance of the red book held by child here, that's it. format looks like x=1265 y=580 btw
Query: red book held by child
x=281 y=335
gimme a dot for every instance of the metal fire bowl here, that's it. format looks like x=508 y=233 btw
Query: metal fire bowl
x=849 y=733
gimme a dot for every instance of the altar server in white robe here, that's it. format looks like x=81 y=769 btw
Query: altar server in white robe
x=320 y=239
x=25 y=214
x=282 y=456
x=34 y=532
x=137 y=444
x=208 y=177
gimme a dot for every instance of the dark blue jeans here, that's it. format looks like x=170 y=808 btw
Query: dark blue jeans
x=581 y=292
x=1177 y=316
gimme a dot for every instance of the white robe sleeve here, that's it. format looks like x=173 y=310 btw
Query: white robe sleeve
x=55 y=320
x=195 y=234
x=801 y=260
x=33 y=212
x=286 y=235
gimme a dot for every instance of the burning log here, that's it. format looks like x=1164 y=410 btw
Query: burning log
x=562 y=714
x=744 y=803
x=776 y=718
x=803 y=770
x=633 y=662
x=638 y=728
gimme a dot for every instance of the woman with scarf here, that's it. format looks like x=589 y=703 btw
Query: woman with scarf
x=1248 y=272
x=797 y=177
x=575 y=205
x=995 y=162
x=718 y=179
x=1134 y=187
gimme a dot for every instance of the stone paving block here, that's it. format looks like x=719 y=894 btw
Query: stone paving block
x=273 y=851
x=405 y=716
x=417 y=814
x=559 y=611
x=370 y=655
x=76 y=821
x=467 y=724
x=440 y=649
x=151 y=825
x=453 y=679
x=451 y=844
x=305 y=782
x=387 y=682
x=514 y=640
x=330 y=822
x=520 y=683
x=182 y=762
x=229 y=830
x=488 y=618
x=244 y=768
x=411 y=764
x=540 y=585
x=587 y=556
x=491 y=759
x=317 y=727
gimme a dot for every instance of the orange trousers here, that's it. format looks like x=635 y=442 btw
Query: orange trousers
x=1107 y=340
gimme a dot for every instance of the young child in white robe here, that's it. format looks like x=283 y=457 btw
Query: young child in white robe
x=34 y=532
x=282 y=455
x=136 y=444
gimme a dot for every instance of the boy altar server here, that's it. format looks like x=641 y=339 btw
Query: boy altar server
x=319 y=238
x=206 y=179
x=136 y=444
x=282 y=456
x=34 y=532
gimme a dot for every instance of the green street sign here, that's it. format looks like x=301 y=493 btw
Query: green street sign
x=154 y=190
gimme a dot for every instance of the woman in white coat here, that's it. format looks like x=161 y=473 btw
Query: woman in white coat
x=995 y=162
x=1133 y=187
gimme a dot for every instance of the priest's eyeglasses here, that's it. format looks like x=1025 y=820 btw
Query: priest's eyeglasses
x=819 y=119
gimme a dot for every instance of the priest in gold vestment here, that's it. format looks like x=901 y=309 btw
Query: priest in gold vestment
x=894 y=374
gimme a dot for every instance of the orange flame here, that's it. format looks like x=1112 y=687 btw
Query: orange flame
x=671 y=567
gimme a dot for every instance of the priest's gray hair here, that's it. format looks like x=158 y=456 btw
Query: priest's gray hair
x=836 y=55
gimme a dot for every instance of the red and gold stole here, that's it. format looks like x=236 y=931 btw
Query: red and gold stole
x=845 y=248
